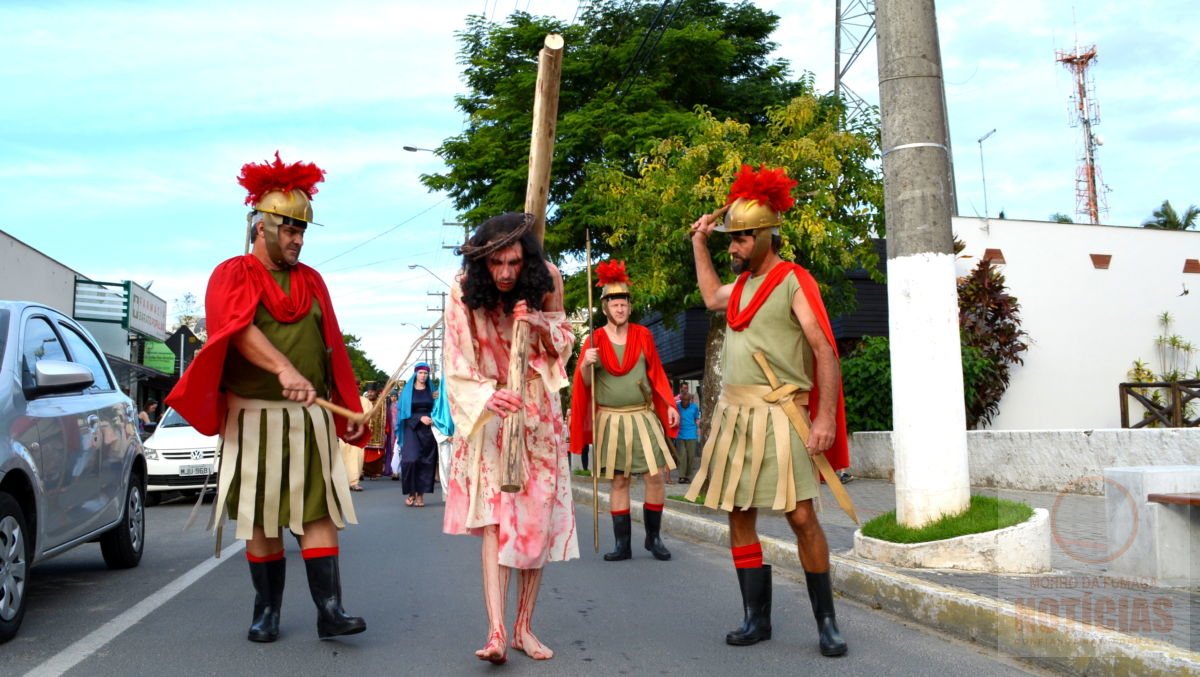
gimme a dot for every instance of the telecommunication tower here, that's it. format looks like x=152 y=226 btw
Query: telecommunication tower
x=852 y=34
x=1090 y=201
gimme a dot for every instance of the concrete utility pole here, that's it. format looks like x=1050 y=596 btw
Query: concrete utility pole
x=929 y=437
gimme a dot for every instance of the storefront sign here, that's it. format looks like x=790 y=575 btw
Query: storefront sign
x=158 y=356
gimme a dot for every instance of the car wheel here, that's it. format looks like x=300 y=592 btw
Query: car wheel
x=14 y=566
x=122 y=546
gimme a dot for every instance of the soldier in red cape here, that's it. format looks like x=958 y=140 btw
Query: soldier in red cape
x=754 y=457
x=634 y=406
x=274 y=347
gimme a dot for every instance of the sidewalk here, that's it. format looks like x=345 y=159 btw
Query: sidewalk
x=1075 y=619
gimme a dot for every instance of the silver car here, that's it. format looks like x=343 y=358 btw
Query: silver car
x=71 y=465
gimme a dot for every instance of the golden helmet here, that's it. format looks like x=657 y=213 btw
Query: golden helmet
x=612 y=277
x=757 y=198
x=293 y=205
x=749 y=214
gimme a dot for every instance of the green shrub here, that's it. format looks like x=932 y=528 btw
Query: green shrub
x=867 y=381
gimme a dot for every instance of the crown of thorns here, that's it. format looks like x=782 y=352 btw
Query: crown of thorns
x=476 y=252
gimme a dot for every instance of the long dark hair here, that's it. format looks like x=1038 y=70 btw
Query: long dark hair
x=534 y=282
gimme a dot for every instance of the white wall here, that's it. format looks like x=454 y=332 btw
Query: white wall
x=26 y=274
x=1086 y=326
x=1044 y=460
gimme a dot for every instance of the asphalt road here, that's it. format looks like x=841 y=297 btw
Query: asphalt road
x=419 y=591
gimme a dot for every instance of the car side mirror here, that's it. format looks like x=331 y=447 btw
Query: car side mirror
x=57 y=376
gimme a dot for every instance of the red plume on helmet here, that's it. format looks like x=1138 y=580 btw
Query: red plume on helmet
x=260 y=179
x=611 y=272
x=771 y=186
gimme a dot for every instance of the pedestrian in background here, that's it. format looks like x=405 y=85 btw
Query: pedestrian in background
x=373 y=452
x=148 y=416
x=685 y=443
x=414 y=435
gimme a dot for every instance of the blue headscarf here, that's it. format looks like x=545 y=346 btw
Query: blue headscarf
x=404 y=406
x=441 y=408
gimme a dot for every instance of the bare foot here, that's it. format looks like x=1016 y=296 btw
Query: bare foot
x=494 y=651
x=532 y=646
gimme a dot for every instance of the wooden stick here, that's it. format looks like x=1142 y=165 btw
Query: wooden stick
x=512 y=453
x=352 y=416
x=545 y=121
x=592 y=403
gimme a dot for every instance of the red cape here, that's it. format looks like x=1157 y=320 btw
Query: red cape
x=235 y=290
x=638 y=342
x=838 y=454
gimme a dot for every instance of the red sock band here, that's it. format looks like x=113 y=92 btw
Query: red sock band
x=621 y=512
x=273 y=557
x=747 y=556
x=656 y=507
x=313 y=553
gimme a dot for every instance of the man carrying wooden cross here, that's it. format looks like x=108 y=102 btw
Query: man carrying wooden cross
x=635 y=406
x=779 y=366
x=505 y=281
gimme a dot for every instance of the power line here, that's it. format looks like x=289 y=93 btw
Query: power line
x=639 y=58
x=649 y=52
x=376 y=237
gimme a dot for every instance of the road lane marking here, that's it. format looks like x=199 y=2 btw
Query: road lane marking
x=94 y=641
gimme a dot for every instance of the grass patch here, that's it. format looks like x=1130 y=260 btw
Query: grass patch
x=677 y=497
x=583 y=472
x=985 y=514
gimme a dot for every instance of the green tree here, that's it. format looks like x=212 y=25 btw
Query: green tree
x=623 y=87
x=189 y=312
x=1059 y=217
x=365 y=370
x=1166 y=218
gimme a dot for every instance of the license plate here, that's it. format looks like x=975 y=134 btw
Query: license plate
x=193 y=470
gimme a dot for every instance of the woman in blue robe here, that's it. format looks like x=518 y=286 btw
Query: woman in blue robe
x=414 y=436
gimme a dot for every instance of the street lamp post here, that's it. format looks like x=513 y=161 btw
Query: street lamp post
x=983 y=175
x=414 y=266
x=413 y=149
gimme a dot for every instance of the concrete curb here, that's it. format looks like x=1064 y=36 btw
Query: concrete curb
x=1071 y=648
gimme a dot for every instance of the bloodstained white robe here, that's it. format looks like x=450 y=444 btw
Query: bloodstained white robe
x=537 y=524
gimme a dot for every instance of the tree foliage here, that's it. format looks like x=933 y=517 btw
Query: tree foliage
x=623 y=87
x=646 y=216
x=1166 y=218
x=189 y=313
x=365 y=370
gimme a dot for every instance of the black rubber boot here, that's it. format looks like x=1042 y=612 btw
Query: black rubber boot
x=756 y=599
x=820 y=593
x=653 y=522
x=621 y=534
x=325 y=583
x=268 y=580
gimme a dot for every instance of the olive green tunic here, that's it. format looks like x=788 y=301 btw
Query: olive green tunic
x=626 y=425
x=304 y=345
x=750 y=442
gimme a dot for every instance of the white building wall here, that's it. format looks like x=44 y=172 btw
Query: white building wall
x=1086 y=326
x=26 y=274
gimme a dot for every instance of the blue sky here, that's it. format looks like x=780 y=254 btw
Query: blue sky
x=125 y=123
